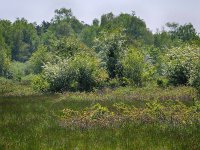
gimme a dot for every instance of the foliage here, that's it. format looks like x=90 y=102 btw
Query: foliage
x=5 y=86
x=185 y=33
x=195 y=77
x=133 y=27
x=162 y=40
x=181 y=63
x=162 y=82
x=81 y=72
x=38 y=58
x=170 y=113
x=134 y=94
x=17 y=70
x=68 y=46
x=133 y=65
x=5 y=55
x=89 y=34
x=24 y=40
x=110 y=47
x=4 y=62
x=117 y=82
x=65 y=24
x=14 y=88
x=39 y=83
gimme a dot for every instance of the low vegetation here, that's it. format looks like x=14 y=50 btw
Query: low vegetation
x=110 y=119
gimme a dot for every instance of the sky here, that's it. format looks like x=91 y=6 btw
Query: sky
x=156 y=13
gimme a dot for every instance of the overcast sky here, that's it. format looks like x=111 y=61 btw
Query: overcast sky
x=154 y=12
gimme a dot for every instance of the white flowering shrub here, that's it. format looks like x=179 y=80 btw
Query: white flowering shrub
x=79 y=73
x=110 y=47
x=181 y=64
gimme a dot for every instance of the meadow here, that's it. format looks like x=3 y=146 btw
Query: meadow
x=104 y=119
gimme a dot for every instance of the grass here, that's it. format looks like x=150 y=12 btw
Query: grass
x=32 y=122
x=14 y=88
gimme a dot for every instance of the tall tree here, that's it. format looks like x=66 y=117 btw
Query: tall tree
x=24 y=40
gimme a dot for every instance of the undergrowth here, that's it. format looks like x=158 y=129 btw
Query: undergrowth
x=169 y=113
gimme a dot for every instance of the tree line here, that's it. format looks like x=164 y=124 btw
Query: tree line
x=65 y=54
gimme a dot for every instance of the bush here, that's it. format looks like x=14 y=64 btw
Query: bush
x=195 y=78
x=181 y=63
x=113 y=83
x=117 y=82
x=39 y=83
x=110 y=47
x=27 y=80
x=5 y=86
x=162 y=82
x=133 y=64
x=38 y=58
x=13 y=88
x=179 y=75
x=17 y=70
x=79 y=73
x=4 y=62
x=167 y=113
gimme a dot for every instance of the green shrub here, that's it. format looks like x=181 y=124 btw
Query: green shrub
x=6 y=86
x=17 y=70
x=38 y=58
x=167 y=113
x=39 y=83
x=195 y=78
x=162 y=82
x=98 y=111
x=133 y=65
x=110 y=46
x=69 y=47
x=113 y=83
x=27 y=80
x=79 y=73
x=180 y=63
x=14 y=88
x=4 y=61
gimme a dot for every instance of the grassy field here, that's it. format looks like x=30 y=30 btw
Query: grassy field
x=35 y=122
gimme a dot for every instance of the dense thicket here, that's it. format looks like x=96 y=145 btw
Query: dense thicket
x=67 y=54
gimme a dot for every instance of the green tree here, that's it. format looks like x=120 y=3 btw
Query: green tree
x=42 y=28
x=185 y=33
x=132 y=26
x=65 y=24
x=89 y=34
x=107 y=18
x=162 y=40
x=68 y=47
x=24 y=40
